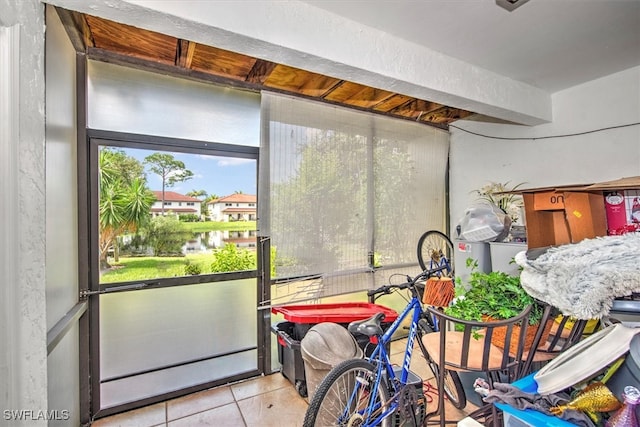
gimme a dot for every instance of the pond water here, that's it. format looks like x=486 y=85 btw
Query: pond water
x=205 y=242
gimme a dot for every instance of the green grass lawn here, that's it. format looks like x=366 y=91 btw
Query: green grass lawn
x=142 y=268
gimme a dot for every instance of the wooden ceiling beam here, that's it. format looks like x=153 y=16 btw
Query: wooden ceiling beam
x=184 y=53
x=318 y=85
x=331 y=89
x=260 y=71
x=351 y=93
x=77 y=29
x=415 y=108
x=445 y=115
x=221 y=62
x=139 y=63
x=392 y=102
x=133 y=41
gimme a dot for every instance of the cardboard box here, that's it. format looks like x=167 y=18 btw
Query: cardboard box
x=548 y=201
x=570 y=213
x=561 y=217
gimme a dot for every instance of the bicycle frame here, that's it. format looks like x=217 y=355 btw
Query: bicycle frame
x=380 y=358
x=444 y=263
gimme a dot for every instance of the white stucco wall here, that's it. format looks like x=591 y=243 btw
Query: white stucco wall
x=599 y=156
x=23 y=328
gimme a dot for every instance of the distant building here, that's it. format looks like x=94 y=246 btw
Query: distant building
x=236 y=207
x=176 y=204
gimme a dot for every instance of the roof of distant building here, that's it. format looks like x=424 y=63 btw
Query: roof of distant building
x=172 y=196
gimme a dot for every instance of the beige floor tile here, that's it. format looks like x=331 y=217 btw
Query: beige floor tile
x=198 y=402
x=227 y=416
x=278 y=408
x=398 y=346
x=418 y=363
x=261 y=402
x=144 y=417
x=451 y=413
x=260 y=385
x=420 y=367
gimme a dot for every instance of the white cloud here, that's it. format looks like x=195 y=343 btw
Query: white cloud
x=233 y=161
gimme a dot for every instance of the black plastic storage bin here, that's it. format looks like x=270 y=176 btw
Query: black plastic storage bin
x=290 y=355
x=299 y=319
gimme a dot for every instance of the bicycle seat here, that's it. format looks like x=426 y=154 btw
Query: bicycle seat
x=369 y=327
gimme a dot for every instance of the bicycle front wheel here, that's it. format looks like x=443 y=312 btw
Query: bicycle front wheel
x=344 y=395
x=435 y=250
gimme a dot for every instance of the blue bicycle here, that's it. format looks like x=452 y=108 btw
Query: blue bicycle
x=372 y=391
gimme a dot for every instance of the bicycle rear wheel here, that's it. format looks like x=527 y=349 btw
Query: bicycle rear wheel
x=434 y=250
x=452 y=385
x=343 y=396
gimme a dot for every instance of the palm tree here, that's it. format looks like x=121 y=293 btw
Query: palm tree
x=197 y=193
x=124 y=204
x=206 y=201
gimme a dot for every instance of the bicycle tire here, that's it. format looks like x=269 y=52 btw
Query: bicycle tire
x=434 y=243
x=330 y=399
x=452 y=385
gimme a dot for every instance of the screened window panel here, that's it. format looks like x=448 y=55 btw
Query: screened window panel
x=342 y=191
x=410 y=170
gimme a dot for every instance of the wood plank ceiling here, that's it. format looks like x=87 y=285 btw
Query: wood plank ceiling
x=114 y=42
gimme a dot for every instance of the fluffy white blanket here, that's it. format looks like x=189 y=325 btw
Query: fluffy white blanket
x=583 y=279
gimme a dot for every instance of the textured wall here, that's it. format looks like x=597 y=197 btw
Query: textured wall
x=22 y=252
x=599 y=156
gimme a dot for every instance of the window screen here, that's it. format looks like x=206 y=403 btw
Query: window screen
x=343 y=192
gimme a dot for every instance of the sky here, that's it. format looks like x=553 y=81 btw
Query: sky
x=221 y=176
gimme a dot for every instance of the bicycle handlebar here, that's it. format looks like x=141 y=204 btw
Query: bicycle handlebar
x=386 y=289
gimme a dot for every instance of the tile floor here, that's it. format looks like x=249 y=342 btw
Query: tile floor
x=261 y=402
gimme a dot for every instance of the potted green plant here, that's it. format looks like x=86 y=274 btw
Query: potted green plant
x=493 y=296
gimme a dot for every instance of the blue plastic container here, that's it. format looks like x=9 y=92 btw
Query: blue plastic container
x=528 y=417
